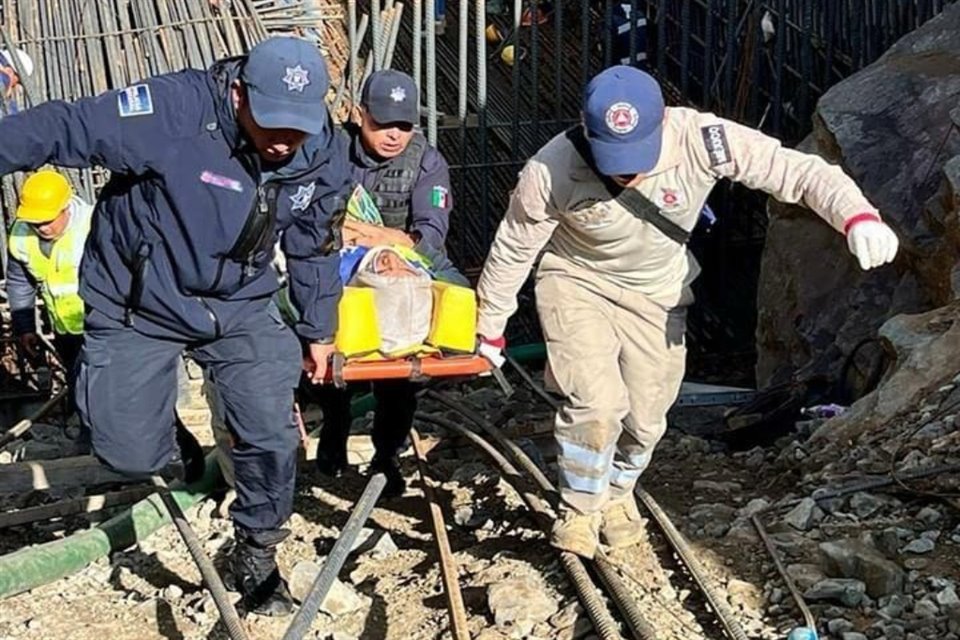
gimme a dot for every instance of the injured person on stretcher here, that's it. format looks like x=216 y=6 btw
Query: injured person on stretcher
x=398 y=302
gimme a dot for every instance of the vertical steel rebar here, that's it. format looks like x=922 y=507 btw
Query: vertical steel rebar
x=463 y=58
x=662 y=38
x=730 y=57
x=558 y=60
x=480 y=13
x=417 y=47
x=756 y=65
x=584 y=43
x=685 y=49
x=607 y=33
x=830 y=27
x=806 y=60
x=375 y=20
x=394 y=34
x=515 y=80
x=354 y=45
x=708 y=56
x=385 y=21
x=779 y=53
x=534 y=88
x=431 y=72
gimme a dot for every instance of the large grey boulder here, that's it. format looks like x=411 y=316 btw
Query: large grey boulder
x=926 y=347
x=856 y=559
x=889 y=126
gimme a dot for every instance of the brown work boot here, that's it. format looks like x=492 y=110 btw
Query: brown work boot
x=622 y=525
x=576 y=532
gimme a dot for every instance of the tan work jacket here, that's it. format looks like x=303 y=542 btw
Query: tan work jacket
x=560 y=206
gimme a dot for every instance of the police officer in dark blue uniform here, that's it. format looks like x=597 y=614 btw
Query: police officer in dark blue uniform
x=410 y=182
x=208 y=168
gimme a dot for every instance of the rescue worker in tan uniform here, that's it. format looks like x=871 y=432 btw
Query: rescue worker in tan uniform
x=610 y=204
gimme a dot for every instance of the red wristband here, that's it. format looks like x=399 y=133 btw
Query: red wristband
x=860 y=217
x=499 y=343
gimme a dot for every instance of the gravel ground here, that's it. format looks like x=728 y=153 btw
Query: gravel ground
x=391 y=586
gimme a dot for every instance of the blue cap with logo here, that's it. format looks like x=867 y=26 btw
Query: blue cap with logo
x=623 y=114
x=287 y=80
x=390 y=96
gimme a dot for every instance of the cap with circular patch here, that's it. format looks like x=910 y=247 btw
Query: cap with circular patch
x=391 y=96
x=623 y=114
x=287 y=80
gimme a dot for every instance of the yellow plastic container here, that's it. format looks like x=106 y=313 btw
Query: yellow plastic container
x=357 y=334
x=453 y=328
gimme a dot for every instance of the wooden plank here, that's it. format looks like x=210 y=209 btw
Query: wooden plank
x=40 y=475
x=87 y=504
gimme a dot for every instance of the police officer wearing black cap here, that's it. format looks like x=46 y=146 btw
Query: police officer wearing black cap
x=207 y=168
x=410 y=182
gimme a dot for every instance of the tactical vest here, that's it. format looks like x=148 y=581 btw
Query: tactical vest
x=58 y=275
x=394 y=181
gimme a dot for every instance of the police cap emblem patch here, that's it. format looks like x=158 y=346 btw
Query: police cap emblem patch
x=296 y=78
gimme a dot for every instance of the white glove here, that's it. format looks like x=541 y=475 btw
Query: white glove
x=492 y=350
x=872 y=242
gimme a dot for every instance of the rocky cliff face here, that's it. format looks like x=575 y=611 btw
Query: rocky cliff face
x=893 y=127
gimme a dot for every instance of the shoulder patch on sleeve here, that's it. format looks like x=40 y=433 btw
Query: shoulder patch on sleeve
x=715 y=141
x=135 y=101
x=439 y=197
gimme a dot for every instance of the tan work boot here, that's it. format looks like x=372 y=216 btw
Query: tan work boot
x=576 y=532
x=622 y=525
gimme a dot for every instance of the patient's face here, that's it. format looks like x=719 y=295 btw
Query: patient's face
x=388 y=263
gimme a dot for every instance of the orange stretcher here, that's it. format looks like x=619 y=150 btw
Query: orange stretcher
x=413 y=368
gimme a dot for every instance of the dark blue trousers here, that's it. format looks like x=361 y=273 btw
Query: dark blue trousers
x=126 y=395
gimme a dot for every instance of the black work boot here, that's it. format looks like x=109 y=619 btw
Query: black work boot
x=190 y=453
x=253 y=572
x=331 y=462
x=390 y=467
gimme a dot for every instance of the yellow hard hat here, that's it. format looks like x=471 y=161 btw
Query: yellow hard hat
x=45 y=194
x=493 y=33
x=509 y=56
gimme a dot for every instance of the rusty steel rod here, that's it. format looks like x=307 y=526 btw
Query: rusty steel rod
x=448 y=564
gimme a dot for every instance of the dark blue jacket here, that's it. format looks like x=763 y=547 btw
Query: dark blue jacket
x=168 y=249
x=430 y=197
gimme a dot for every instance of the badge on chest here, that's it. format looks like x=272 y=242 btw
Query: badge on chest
x=670 y=199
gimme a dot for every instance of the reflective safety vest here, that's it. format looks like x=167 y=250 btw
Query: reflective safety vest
x=58 y=274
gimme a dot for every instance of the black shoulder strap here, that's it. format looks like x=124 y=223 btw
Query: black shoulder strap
x=631 y=199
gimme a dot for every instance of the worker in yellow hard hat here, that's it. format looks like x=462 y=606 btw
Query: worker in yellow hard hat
x=46 y=244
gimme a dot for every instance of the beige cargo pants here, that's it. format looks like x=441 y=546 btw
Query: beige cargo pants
x=619 y=359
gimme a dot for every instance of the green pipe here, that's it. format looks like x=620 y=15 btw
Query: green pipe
x=528 y=352
x=35 y=566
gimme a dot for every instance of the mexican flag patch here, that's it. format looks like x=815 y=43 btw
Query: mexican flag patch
x=440 y=197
